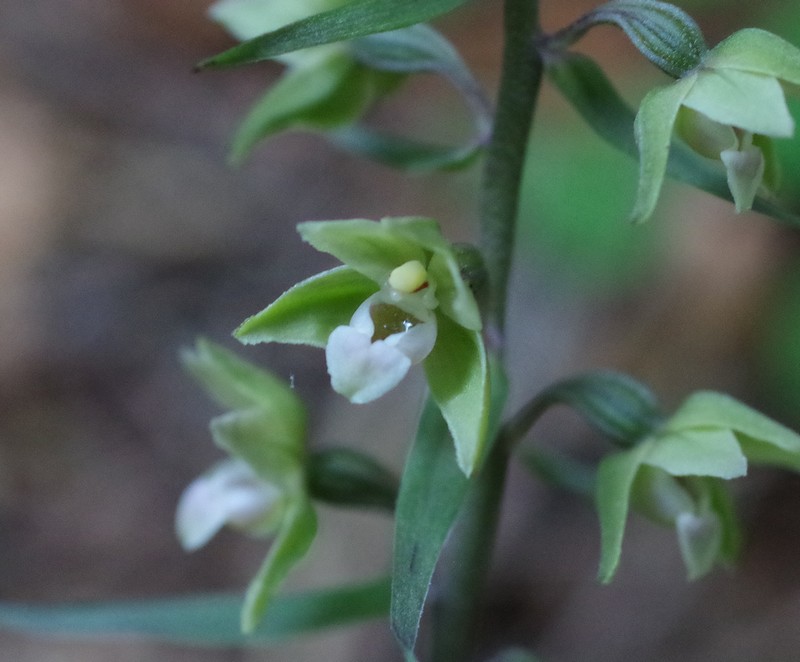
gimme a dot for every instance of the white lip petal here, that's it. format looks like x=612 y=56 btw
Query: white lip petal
x=360 y=369
x=229 y=493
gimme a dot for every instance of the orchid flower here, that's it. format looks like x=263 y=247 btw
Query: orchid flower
x=728 y=108
x=675 y=477
x=400 y=299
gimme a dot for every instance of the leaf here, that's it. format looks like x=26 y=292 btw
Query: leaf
x=615 y=477
x=432 y=490
x=372 y=248
x=586 y=87
x=237 y=384
x=700 y=452
x=308 y=312
x=355 y=19
x=205 y=620
x=297 y=532
x=458 y=375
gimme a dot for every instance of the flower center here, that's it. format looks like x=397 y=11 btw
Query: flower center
x=389 y=319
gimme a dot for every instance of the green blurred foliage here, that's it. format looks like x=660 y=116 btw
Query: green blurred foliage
x=577 y=194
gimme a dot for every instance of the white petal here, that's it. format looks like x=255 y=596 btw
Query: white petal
x=745 y=170
x=417 y=342
x=229 y=493
x=362 y=370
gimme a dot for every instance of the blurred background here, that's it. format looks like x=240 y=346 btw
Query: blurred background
x=124 y=236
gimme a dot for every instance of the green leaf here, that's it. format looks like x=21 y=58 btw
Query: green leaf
x=458 y=375
x=322 y=96
x=615 y=477
x=762 y=440
x=402 y=153
x=587 y=88
x=759 y=52
x=297 y=532
x=665 y=34
x=205 y=620
x=308 y=312
x=349 y=478
x=700 y=452
x=355 y=19
x=372 y=248
x=432 y=490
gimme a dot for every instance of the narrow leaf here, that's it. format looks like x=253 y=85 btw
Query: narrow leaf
x=432 y=490
x=308 y=312
x=355 y=19
x=205 y=620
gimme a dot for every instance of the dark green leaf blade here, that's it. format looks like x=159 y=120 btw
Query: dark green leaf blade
x=207 y=620
x=431 y=493
x=356 y=19
x=588 y=89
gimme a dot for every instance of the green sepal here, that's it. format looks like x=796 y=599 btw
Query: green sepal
x=237 y=384
x=751 y=102
x=297 y=532
x=700 y=452
x=458 y=376
x=432 y=489
x=653 y=131
x=665 y=34
x=762 y=440
x=275 y=452
x=759 y=52
x=355 y=19
x=308 y=312
x=372 y=249
x=321 y=96
x=615 y=477
x=346 y=477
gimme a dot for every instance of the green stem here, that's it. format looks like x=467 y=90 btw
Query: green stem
x=519 y=87
x=465 y=566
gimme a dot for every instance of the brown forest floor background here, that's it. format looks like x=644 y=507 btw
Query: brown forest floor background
x=123 y=236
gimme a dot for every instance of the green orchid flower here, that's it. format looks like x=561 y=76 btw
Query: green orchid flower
x=675 y=477
x=399 y=300
x=322 y=88
x=261 y=488
x=728 y=108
